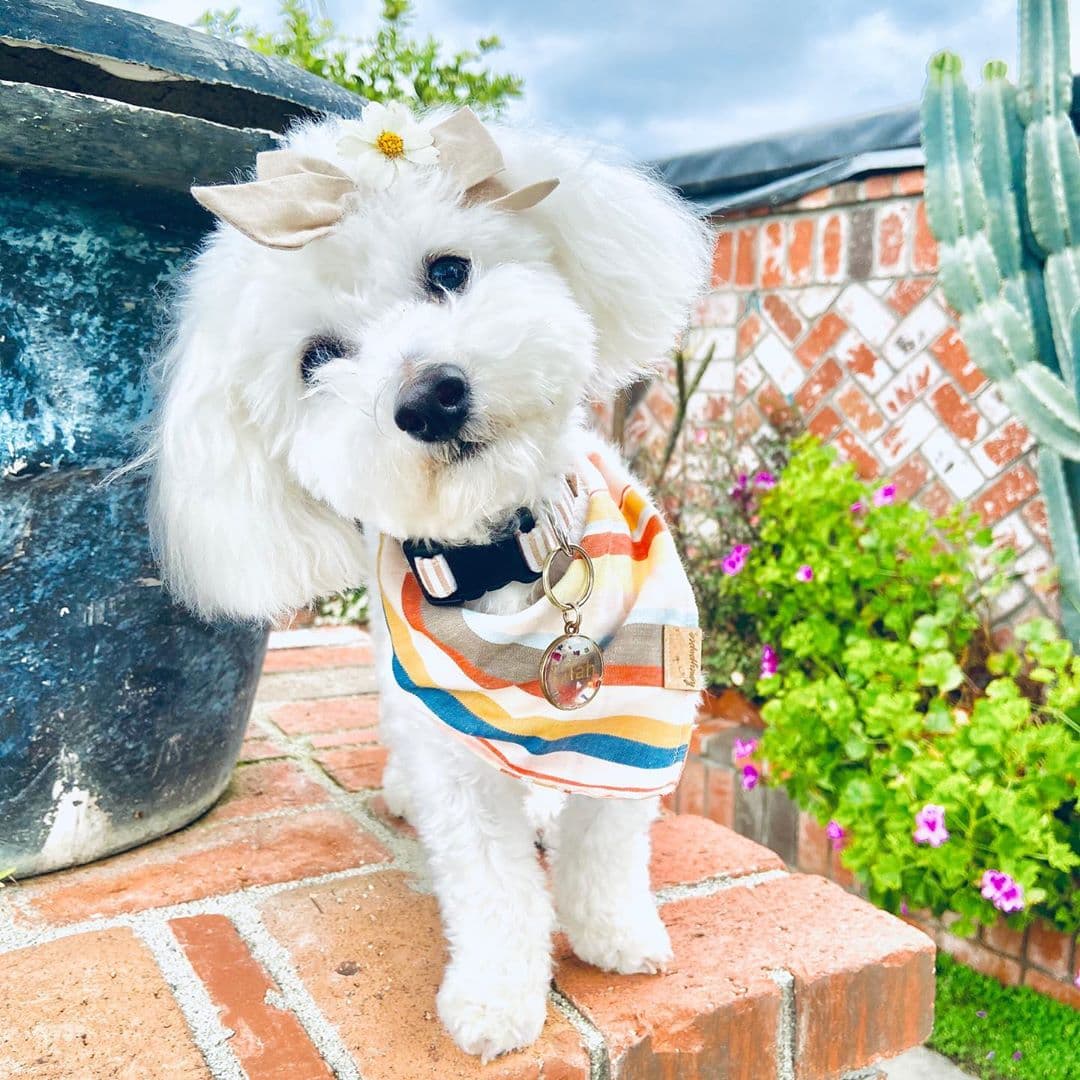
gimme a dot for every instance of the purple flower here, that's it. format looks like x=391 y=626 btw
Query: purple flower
x=836 y=834
x=735 y=562
x=1005 y=893
x=743 y=748
x=769 y=661
x=885 y=496
x=1017 y=1055
x=741 y=483
x=857 y=507
x=750 y=777
x=981 y=1014
x=930 y=826
x=904 y=909
x=804 y=573
x=765 y=480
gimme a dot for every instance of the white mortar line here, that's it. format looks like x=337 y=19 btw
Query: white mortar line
x=599 y=1059
x=716 y=884
x=219 y=904
x=200 y=1012
x=275 y=958
x=785 y=1029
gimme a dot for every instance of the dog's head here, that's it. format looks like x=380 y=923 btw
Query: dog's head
x=418 y=366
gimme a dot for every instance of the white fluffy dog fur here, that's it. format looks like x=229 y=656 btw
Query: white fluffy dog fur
x=260 y=478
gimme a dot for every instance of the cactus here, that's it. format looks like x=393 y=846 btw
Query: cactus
x=1003 y=200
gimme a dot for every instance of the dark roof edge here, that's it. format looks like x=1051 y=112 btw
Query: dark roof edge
x=775 y=169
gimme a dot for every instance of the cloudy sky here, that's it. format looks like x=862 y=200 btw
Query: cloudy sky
x=676 y=75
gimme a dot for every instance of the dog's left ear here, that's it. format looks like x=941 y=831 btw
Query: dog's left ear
x=634 y=253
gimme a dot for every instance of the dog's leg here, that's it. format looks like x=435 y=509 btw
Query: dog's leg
x=600 y=869
x=496 y=910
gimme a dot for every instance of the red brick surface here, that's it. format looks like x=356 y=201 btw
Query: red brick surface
x=718 y=1001
x=202 y=861
x=355 y=768
x=265 y=787
x=269 y=1042
x=92 y=1006
x=338 y=656
x=327 y=714
x=687 y=849
x=387 y=935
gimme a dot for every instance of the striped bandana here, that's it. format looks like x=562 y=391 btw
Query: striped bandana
x=477 y=673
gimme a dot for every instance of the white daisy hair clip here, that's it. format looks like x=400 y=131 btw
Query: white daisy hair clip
x=296 y=199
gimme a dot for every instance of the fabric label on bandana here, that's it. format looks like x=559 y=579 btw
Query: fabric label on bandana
x=478 y=673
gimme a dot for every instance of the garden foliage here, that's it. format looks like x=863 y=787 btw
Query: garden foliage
x=388 y=66
x=946 y=770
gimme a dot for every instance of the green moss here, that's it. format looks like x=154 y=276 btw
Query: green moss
x=1045 y=1032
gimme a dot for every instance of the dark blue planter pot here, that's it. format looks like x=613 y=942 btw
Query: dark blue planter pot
x=121 y=716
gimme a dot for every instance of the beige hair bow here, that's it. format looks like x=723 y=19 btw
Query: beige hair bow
x=296 y=199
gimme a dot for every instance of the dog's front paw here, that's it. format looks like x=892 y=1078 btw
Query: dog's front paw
x=396 y=791
x=631 y=942
x=489 y=1017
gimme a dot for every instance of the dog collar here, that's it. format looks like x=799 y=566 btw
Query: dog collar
x=451 y=574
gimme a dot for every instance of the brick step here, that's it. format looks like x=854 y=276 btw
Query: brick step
x=776 y=974
x=291 y=933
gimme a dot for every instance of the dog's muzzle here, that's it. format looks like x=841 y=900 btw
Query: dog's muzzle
x=434 y=404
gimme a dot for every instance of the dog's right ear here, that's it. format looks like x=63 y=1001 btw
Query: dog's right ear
x=234 y=533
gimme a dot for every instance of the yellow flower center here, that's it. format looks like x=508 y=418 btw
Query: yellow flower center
x=390 y=144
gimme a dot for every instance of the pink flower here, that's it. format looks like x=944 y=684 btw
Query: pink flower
x=1076 y=981
x=1005 y=893
x=930 y=826
x=765 y=480
x=836 y=834
x=857 y=507
x=904 y=909
x=735 y=562
x=741 y=483
x=885 y=496
x=769 y=661
x=805 y=573
x=701 y=436
x=750 y=777
x=743 y=748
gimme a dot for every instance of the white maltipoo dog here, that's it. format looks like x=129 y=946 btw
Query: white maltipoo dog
x=380 y=371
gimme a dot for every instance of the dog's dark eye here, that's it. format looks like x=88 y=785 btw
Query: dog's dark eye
x=447 y=273
x=318 y=351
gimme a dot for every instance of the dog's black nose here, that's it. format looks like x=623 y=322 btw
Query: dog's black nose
x=434 y=405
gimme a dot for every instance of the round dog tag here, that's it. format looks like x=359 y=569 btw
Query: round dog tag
x=571 y=671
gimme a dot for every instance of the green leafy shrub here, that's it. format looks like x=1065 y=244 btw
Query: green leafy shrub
x=888 y=702
x=387 y=66
x=711 y=501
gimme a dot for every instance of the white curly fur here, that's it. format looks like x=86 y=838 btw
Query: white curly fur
x=259 y=481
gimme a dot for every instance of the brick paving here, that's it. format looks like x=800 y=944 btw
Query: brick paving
x=290 y=933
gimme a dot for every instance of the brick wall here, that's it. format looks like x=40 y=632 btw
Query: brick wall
x=1040 y=956
x=831 y=305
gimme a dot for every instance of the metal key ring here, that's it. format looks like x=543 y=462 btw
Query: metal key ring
x=575 y=551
